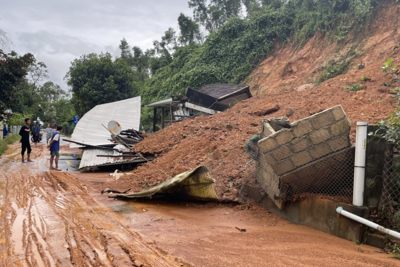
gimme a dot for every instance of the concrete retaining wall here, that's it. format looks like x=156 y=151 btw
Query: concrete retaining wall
x=320 y=214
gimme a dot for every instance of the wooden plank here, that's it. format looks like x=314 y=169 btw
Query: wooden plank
x=154 y=119
x=162 y=118
x=171 y=111
x=200 y=108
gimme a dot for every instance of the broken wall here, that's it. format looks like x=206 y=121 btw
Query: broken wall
x=315 y=147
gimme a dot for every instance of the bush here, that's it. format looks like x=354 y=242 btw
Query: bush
x=354 y=87
x=10 y=139
x=332 y=70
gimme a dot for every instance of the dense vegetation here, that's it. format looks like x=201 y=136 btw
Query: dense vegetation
x=97 y=79
x=226 y=39
x=229 y=54
x=27 y=92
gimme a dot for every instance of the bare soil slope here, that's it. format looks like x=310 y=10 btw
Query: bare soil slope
x=296 y=68
x=217 y=141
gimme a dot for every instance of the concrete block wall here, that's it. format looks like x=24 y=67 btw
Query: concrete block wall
x=309 y=140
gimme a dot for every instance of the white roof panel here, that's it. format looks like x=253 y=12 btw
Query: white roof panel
x=89 y=129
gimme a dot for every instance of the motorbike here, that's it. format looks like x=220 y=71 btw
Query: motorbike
x=39 y=138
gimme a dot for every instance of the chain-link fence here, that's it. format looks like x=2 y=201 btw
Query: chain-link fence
x=389 y=206
x=330 y=177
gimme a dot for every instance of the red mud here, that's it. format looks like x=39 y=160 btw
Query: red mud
x=206 y=234
x=217 y=141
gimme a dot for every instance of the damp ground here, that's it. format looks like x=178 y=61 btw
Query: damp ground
x=62 y=219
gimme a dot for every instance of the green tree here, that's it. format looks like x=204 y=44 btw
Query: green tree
x=216 y=13
x=189 y=31
x=141 y=63
x=97 y=79
x=161 y=55
x=63 y=110
x=125 y=50
x=51 y=92
x=13 y=69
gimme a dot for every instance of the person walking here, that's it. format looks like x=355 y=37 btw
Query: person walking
x=55 y=148
x=24 y=133
x=49 y=133
x=36 y=132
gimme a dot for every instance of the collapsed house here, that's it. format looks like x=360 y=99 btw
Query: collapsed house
x=207 y=100
x=101 y=145
x=314 y=156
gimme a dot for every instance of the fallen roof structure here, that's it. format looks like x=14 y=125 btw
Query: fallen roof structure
x=92 y=157
x=89 y=130
x=193 y=184
x=218 y=96
x=207 y=100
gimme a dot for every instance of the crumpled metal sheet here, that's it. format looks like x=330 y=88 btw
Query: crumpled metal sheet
x=89 y=129
x=193 y=184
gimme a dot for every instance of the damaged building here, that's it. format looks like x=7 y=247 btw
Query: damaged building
x=207 y=100
x=314 y=155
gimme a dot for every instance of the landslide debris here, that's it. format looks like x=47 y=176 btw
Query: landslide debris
x=218 y=141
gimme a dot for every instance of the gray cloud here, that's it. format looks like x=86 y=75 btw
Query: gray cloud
x=57 y=32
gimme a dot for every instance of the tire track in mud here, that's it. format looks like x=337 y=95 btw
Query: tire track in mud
x=50 y=220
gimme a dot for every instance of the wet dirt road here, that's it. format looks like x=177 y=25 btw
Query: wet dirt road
x=48 y=219
x=60 y=219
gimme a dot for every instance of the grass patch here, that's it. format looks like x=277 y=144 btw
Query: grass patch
x=10 y=139
x=354 y=87
x=332 y=70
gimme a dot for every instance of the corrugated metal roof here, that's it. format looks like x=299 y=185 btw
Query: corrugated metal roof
x=220 y=90
x=90 y=158
x=89 y=129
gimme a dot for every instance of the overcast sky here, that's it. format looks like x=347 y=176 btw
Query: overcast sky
x=58 y=31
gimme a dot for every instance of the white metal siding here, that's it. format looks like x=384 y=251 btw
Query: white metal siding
x=89 y=129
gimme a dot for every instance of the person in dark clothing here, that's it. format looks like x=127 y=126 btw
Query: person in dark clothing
x=5 y=131
x=24 y=133
x=35 y=132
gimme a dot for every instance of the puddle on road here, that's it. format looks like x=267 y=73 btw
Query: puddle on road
x=2 y=200
x=17 y=230
x=127 y=207
x=66 y=164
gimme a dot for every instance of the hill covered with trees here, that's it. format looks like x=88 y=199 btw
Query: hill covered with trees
x=225 y=40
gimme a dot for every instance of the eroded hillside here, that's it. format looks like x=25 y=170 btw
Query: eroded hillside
x=281 y=80
x=295 y=67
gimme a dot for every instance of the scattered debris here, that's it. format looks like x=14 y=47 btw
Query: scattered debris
x=194 y=184
x=241 y=229
x=118 y=174
x=266 y=111
x=88 y=130
x=112 y=155
x=108 y=190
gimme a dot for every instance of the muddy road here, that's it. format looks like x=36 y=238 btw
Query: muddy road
x=61 y=219
x=48 y=219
